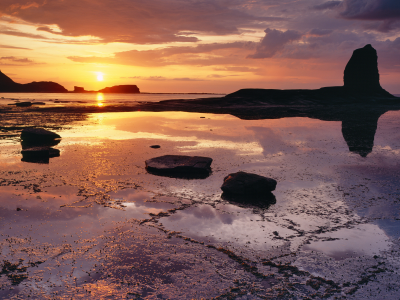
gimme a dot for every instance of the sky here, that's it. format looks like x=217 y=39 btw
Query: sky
x=216 y=46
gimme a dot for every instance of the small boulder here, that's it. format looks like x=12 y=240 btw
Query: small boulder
x=180 y=166
x=242 y=183
x=155 y=146
x=38 y=135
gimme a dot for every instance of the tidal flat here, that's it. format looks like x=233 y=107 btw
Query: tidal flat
x=94 y=224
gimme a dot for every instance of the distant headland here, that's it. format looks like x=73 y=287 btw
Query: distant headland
x=7 y=85
x=361 y=79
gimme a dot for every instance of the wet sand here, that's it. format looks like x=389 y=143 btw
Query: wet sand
x=93 y=223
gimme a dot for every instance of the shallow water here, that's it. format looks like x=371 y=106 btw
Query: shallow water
x=93 y=223
x=100 y=99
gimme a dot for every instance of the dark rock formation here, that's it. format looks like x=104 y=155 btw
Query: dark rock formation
x=179 y=166
x=155 y=146
x=38 y=135
x=121 y=89
x=40 y=155
x=361 y=82
x=361 y=72
x=78 y=89
x=242 y=183
x=7 y=85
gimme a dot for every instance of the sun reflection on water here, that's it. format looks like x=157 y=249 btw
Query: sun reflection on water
x=100 y=98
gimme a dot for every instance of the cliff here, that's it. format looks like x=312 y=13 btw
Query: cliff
x=7 y=85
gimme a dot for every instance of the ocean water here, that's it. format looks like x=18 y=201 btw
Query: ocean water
x=95 y=98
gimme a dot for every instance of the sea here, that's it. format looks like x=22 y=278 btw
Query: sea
x=96 y=98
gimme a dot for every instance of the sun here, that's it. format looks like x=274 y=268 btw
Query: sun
x=100 y=76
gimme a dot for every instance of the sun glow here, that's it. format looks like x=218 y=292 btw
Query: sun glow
x=100 y=76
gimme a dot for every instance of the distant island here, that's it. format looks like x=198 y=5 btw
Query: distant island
x=7 y=85
x=126 y=89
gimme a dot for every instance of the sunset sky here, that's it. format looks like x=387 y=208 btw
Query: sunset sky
x=196 y=45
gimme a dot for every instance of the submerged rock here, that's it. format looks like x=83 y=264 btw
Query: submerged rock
x=38 y=135
x=23 y=104
x=242 y=183
x=39 y=154
x=180 y=166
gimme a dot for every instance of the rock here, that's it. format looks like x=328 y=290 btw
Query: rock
x=38 y=135
x=78 y=89
x=39 y=154
x=242 y=183
x=361 y=72
x=180 y=166
x=121 y=89
x=155 y=146
x=23 y=104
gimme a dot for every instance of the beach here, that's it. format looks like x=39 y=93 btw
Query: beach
x=93 y=223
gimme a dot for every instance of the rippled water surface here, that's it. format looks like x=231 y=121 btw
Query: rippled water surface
x=93 y=223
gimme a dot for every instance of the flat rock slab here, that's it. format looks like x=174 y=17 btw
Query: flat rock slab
x=242 y=183
x=180 y=166
x=23 y=104
x=38 y=135
x=39 y=154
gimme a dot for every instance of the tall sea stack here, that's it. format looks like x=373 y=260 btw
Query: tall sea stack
x=361 y=73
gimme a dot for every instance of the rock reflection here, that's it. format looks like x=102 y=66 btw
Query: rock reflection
x=359 y=132
x=262 y=201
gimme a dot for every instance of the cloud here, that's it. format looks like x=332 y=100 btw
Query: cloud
x=13 y=47
x=9 y=31
x=170 y=55
x=162 y=78
x=274 y=42
x=15 y=61
x=327 y=5
x=136 y=21
x=320 y=32
x=371 y=9
x=237 y=69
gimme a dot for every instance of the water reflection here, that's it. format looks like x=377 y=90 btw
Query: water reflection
x=329 y=205
x=100 y=99
x=359 y=122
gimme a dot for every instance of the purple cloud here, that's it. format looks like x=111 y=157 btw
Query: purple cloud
x=371 y=9
x=327 y=5
x=274 y=42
